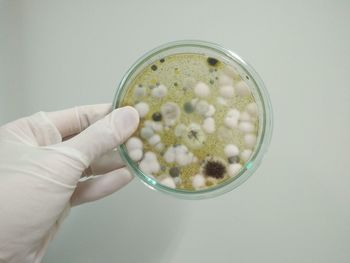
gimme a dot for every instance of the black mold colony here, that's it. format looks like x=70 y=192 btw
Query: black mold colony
x=214 y=168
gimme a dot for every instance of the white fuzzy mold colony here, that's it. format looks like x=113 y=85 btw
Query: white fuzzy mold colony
x=199 y=121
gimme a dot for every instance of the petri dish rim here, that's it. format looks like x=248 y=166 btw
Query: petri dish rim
x=265 y=117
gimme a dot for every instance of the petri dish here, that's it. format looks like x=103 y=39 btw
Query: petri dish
x=205 y=119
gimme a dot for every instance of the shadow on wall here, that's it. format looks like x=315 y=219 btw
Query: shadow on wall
x=135 y=225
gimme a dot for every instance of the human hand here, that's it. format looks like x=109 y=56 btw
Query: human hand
x=42 y=158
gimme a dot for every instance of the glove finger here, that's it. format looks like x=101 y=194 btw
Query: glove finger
x=104 y=135
x=106 y=163
x=74 y=120
x=42 y=129
x=100 y=186
x=36 y=130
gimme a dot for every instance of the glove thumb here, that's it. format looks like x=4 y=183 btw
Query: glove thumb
x=105 y=134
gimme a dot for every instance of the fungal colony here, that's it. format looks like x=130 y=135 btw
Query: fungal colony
x=199 y=121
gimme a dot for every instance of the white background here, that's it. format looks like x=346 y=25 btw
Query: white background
x=295 y=208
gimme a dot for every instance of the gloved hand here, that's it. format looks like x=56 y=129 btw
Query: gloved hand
x=40 y=172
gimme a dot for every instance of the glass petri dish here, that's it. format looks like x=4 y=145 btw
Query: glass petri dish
x=195 y=157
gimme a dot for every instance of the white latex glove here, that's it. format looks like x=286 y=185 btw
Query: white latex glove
x=40 y=174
